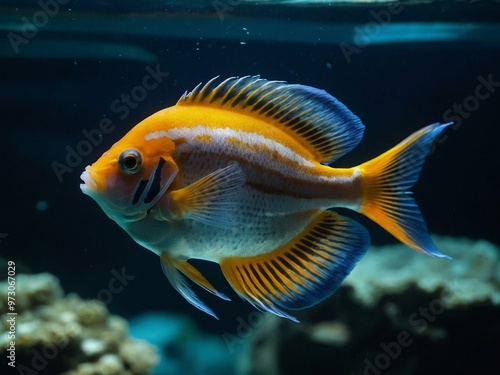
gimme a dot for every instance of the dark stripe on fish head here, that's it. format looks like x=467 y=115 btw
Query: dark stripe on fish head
x=139 y=190
x=147 y=192
x=154 y=187
x=150 y=187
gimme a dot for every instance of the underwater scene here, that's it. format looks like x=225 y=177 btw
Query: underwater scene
x=236 y=187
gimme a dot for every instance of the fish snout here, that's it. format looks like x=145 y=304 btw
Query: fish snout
x=89 y=183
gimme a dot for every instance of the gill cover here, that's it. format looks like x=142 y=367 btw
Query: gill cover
x=148 y=191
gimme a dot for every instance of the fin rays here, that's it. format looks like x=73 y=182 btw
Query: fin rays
x=322 y=124
x=303 y=271
x=296 y=275
x=386 y=199
x=213 y=199
x=174 y=271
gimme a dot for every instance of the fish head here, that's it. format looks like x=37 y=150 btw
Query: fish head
x=129 y=178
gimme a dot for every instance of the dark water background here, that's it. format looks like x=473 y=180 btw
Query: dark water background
x=66 y=78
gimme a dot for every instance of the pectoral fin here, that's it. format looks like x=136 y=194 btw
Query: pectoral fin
x=212 y=200
x=174 y=271
x=303 y=271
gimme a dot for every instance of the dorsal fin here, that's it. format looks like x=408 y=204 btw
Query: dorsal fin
x=321 y=123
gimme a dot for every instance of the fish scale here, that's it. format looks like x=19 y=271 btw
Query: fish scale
x=299 y=183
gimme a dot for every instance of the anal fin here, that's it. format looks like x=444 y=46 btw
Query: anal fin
x=303 y=271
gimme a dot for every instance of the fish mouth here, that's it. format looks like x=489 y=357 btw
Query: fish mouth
x=89 y=182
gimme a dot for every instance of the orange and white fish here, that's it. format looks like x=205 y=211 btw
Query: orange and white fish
x=237 y=173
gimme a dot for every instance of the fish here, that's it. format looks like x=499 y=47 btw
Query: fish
x=238 y=172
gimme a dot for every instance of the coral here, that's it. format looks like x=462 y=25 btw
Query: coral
x=184 y=349
x=58 y=334
x=399 y=312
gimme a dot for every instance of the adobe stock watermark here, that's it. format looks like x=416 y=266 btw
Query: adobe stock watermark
x=40 y=358
x=244 y=329
x=363 y=35
x=456 y=114
x=419 y=321
x=39 y=19
x=224 y=6
x=459 y=112
x=122 y=107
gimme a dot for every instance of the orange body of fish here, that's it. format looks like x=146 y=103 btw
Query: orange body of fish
x=238 y=173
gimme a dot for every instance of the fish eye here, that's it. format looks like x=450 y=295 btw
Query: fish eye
x=130 y=161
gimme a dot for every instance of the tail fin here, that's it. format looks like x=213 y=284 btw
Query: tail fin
x=386 y=183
